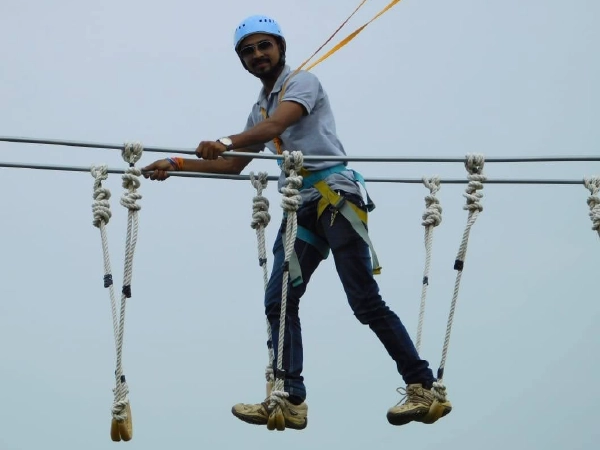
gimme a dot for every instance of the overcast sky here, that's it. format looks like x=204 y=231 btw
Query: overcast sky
x=429 y=78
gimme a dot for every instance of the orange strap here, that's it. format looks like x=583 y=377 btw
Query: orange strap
x=352 y=35
x=319 y=49
x=277 y=140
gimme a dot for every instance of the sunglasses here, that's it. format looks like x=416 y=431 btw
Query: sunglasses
x=249 y=50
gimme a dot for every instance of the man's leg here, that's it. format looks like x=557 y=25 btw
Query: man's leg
x=353 y=263
x=294 y=408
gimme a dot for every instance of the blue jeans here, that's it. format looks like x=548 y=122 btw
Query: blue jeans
x=353 y=264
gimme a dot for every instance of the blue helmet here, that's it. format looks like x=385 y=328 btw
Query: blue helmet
x=253 y=25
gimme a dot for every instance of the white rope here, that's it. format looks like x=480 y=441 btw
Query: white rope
x=131 y=153
x=593 y=201
x=432 y=217
x=102 y=214
x=474 y=165
x=291 y=201
x=260 y=220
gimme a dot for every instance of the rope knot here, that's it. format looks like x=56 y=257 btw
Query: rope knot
x=101 y=206
x=260 y=204
x=439 y=391
x=593 y=201
x=276 y=399
x=132 y=152
x=474 y=165
x=119 y=408
x=433 y=210
x=292 y=163
x=131 y=182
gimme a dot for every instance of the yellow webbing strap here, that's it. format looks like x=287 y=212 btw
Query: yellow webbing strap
x=353 y=214
x=352 y=35
x=342 y=43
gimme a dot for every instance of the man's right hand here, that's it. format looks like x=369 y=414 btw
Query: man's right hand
x=158 y=170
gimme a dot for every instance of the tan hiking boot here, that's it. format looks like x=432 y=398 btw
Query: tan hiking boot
x=420 y=405
x=295 y=416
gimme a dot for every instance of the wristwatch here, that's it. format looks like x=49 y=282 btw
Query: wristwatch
x=226 y=142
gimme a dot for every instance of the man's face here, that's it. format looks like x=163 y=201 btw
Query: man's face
x=260 y=53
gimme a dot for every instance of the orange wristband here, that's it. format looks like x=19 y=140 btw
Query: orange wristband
x=176 y=162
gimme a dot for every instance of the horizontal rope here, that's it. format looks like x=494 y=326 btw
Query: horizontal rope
x=276 y=177
x=405 y=159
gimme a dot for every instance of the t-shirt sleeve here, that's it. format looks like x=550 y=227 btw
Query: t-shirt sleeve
x=249 y=124
x=303 y=88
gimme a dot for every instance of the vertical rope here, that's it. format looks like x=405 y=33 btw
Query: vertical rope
x=131 y=154
x=432 y=217
x=593 y=201
x=102 y=214
x=260 y=220
x=291 y=201
x=474 y=165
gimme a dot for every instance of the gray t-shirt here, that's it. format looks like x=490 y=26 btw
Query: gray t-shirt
x=313 y=134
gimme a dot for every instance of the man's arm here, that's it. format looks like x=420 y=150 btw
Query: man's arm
x=231 y=165
x=286 y=114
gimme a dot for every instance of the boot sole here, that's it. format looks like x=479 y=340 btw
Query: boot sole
x=403 y=419
x=249 y=419
x=252 y=420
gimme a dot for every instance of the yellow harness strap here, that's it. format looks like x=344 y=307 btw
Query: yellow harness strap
x=353 y=214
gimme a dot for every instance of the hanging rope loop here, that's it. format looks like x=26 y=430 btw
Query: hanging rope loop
x=121 y=425
x=474 y=164
x=291 y=201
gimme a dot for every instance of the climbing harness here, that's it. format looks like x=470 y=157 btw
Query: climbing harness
x=121 y=424
x=593 y=201
x=329 y=198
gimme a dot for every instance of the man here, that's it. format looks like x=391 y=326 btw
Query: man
x=293 y=112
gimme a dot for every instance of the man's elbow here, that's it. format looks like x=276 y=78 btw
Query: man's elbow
x=277 y=129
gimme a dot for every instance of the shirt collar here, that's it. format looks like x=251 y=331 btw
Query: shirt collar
x=278 y=84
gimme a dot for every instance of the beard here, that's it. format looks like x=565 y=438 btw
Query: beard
x=264 y=69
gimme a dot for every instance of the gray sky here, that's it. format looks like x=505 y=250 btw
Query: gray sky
x=429 y=78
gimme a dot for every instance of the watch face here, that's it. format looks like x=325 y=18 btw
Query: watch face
x=225 y=141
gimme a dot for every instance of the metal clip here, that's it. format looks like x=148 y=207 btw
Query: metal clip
x=333 y=214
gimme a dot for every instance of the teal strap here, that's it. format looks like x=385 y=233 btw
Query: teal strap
x=358 y=177
x=311 y=238
x=351 y=216
x=319 y=175
x=295 y=270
